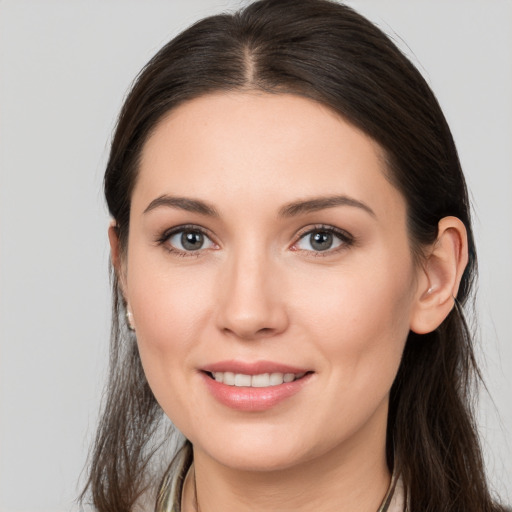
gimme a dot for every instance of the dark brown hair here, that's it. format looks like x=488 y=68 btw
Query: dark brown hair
x=326 y=52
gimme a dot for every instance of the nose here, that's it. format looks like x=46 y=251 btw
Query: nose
x=252 y=300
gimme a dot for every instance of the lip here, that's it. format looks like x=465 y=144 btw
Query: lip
x=251 y=399
x=252 y=368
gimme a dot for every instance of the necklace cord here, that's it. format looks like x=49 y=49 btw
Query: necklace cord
x=386 y=502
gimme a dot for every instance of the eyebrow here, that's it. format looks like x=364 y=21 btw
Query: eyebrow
x=290 y=210
x=183 y=203
x=320 y=203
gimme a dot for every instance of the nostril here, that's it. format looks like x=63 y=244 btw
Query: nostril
x=251 y=334
x=266 y=331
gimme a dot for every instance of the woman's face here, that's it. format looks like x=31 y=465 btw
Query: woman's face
x=268 y=250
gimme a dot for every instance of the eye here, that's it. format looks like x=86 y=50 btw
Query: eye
x=323 y=239
x=187 y=240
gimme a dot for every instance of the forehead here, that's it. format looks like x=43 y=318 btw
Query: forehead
x=236 y=146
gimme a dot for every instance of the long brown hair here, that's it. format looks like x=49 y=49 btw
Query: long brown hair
x=326 y=52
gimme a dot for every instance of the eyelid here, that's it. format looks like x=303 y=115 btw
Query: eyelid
x=346 y=238
x=163 y=239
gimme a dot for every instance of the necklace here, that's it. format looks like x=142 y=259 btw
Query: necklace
x=388 y=498
x=384 y=507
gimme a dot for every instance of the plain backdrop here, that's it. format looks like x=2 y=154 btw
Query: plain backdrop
x=65 y=67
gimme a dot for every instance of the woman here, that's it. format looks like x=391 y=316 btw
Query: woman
x=292 y=246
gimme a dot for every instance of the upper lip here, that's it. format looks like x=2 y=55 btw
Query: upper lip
x=252 y=368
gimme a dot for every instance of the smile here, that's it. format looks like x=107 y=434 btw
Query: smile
x=261 y=380
x=254 y=387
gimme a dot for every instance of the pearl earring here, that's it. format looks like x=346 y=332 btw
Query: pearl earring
x=129 y=319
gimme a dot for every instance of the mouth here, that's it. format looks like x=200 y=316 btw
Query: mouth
x=253 y=387
x=261 y=380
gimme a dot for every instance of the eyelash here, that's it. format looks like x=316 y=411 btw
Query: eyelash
x=346 y=239
x=166 y=235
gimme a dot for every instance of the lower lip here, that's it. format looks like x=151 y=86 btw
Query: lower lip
x=253 y=399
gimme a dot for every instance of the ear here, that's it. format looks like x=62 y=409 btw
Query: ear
x=119 y=268
x=115 y=254
x=440 y=276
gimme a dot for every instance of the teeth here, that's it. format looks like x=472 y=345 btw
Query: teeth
x=242 y=380
x=229 y=378
x=276 y=379
x=261 y=380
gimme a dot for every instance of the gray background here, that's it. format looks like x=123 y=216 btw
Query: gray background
x=65 y=67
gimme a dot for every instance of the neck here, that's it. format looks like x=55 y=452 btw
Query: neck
x=351 y=477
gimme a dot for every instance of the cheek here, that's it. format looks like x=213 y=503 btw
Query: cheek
x=360 y=319
x=169 y=308
x=168 y=304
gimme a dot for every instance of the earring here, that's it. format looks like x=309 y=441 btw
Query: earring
x=129 y=319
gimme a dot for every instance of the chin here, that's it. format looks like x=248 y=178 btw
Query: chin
x=258 y=460
x=259 y=451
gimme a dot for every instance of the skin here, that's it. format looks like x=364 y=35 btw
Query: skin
x=257 y=290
